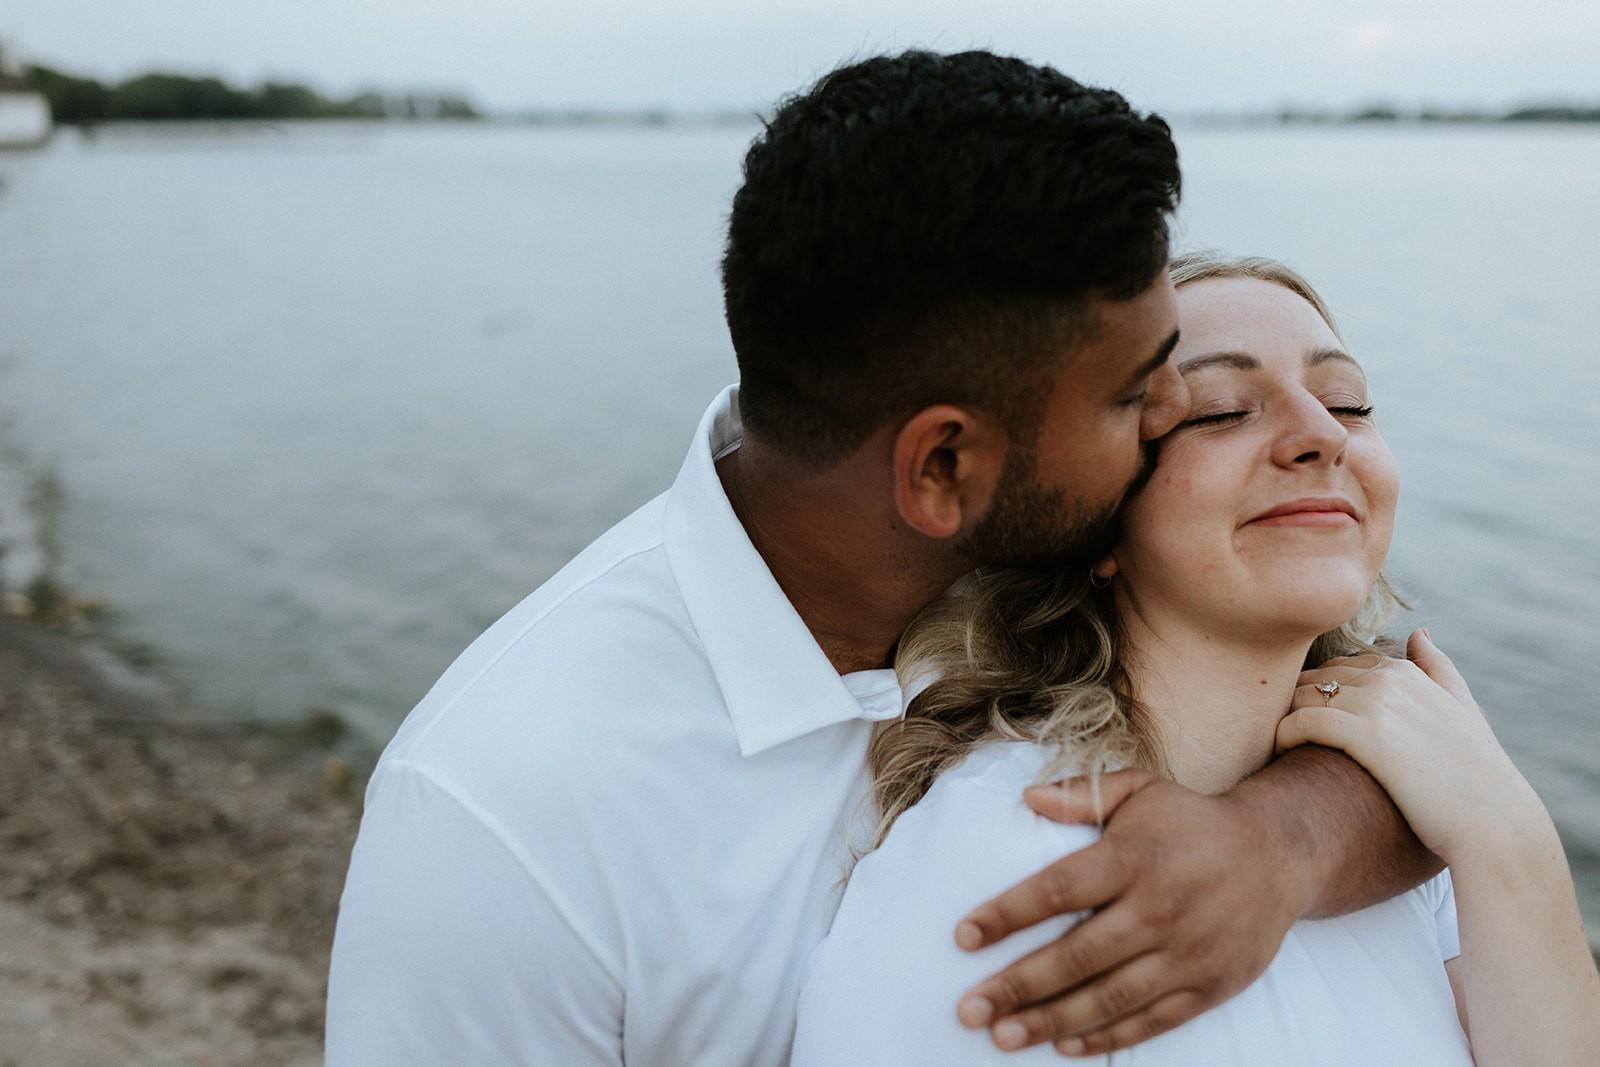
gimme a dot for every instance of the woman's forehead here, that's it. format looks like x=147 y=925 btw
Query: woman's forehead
x=1254 y=320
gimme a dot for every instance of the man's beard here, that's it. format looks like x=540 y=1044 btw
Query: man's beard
x=1030 y=525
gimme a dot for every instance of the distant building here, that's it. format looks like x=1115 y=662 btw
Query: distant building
x=24 y=112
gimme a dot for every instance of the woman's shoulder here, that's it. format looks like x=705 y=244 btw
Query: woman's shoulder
x=973 y=823
x=882 y=987
x=1005 y=767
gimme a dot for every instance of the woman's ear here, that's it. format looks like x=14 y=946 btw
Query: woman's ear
x=946 y=465
x=1102 y=573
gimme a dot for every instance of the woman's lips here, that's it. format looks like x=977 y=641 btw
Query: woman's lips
x=1328 y=512
x=1308 y=518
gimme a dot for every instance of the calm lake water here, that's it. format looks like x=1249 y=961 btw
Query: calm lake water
x=324 y=401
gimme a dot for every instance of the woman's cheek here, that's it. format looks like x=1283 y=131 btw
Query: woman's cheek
x=1380 y=483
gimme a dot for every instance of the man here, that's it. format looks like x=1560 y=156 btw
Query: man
x=614 y=829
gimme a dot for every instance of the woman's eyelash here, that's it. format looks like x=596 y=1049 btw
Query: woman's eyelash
x=1221 y=417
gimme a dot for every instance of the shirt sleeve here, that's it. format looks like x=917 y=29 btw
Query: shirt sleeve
x=1444 y=915
x=882 y=988
x=449 y=950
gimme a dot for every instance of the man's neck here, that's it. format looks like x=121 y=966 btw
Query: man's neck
x=1215 y=701
x=852 y=572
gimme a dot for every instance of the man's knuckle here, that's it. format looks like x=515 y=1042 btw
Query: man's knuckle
x=1118 y=999
x=1140 y=777
x=1202 y=948
x=1135 y=861
x=999 y=919
x=1057 y=890
x=1168 y=908
x=1150 y=1024
x=1080 y=957
x=1096 y=1044
x=1045 y=1025
x=1013 y=989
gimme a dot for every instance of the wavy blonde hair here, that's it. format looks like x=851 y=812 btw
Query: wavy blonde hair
x=1034 y=655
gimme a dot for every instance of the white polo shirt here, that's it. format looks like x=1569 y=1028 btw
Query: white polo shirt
x=615 y=827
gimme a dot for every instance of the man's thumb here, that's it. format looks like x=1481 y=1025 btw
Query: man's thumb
x=1085 y=798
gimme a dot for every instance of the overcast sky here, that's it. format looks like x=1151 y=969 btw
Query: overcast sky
x=1165 y=54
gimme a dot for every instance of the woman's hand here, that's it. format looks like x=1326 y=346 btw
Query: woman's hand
x=1525 y=981
x=1414 y=726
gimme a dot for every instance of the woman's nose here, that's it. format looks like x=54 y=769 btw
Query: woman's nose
x=1311 y=436
x=1166 y=404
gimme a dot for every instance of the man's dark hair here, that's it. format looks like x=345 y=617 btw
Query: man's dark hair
x=926 y=228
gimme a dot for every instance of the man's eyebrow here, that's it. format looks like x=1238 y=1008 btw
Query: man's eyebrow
x=1154 y=363
x=1235 y=360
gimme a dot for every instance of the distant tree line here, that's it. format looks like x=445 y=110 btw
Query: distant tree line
x=1559 y=112
x=161 y=95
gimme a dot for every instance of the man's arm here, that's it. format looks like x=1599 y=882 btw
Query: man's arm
x=449 y=950
x=1337 y=826
x=1193 y=894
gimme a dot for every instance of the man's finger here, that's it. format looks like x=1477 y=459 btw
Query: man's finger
x=1168 y=1013
x=1096 y=945
x=1131 y=986
x=1086 y=798
x=1421 y=650
x=1085 y=879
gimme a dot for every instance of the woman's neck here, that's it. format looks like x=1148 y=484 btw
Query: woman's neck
x=1214 y=699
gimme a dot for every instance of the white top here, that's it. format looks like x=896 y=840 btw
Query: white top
x=1365 y=988
x=615 y=827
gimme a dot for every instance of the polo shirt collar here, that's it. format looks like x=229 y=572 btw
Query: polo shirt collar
x=775 y=679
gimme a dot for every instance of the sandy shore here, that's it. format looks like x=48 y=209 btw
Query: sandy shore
x=168 y=887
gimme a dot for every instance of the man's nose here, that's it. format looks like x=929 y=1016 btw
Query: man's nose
x=1166 y=405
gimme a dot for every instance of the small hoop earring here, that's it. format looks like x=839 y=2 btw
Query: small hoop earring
x=1097 y=581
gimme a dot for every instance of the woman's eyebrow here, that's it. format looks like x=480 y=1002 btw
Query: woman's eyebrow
x=1245 y=361
x=1323 y=355
x=1235 y=360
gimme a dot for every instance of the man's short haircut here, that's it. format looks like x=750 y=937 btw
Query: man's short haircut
x=925 y=228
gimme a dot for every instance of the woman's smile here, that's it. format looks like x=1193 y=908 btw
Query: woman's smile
x=1317 y=512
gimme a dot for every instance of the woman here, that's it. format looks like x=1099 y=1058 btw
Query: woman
x=1255 y=548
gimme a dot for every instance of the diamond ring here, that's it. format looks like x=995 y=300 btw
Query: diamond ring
x=1328 y=690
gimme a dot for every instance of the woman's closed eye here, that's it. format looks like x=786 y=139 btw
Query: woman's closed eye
x=1222 y=418
x=1216 y=418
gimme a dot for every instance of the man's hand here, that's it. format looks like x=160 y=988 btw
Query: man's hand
x=1191 y=906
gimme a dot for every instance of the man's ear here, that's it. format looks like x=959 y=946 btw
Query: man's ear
x=947 y=461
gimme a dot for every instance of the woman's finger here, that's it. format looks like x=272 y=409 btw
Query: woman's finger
x=1349 y=674
x=1327 y=726
x=1421 y=650
x=1349 y=698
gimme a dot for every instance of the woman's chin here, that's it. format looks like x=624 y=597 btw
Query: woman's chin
x=1300 y=606
x=1302 y=619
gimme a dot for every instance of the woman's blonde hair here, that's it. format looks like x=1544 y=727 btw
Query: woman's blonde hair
x=1034 y=655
